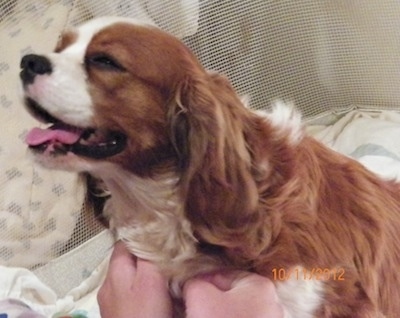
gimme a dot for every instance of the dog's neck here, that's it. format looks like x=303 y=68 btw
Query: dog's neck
x=148 y=215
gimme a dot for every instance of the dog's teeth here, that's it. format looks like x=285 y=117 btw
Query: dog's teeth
x=87 y=134
x=84 y=142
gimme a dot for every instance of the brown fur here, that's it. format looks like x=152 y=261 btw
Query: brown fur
x=268 y=204
x=67 y=39
x=249 y=192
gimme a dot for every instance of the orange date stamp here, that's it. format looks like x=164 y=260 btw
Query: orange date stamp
x=300 y=273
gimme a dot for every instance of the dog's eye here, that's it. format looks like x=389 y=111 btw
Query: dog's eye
x=103 y=61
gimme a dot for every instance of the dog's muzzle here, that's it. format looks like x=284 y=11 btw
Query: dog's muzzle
x=61 y=138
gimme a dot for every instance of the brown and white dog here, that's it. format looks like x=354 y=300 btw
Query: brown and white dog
x=200 y=182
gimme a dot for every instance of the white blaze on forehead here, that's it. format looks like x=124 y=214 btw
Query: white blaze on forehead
x=86 y=32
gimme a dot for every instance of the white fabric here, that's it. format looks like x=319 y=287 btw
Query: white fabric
x=373 y=138
x=66 y=285
x=22 y=284
x=68 y=271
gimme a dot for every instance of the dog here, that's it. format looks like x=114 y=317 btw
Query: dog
x=199 y=182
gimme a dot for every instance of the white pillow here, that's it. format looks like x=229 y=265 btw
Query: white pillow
x=39 y=208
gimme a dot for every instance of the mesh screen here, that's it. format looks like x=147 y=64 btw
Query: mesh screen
x=325 y=56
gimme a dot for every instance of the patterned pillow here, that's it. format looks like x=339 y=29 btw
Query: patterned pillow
x=39 y=209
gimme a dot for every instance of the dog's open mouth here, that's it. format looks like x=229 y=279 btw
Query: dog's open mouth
x=61 y=138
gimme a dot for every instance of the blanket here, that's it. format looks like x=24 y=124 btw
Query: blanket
x=67 y=288
x=369 y=137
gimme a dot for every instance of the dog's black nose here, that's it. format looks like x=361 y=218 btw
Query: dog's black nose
x=32 y=65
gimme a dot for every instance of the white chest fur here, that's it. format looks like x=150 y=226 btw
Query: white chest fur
x=301 y=294
x=148 y=215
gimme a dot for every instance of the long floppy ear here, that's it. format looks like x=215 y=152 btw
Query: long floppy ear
x=208 y=128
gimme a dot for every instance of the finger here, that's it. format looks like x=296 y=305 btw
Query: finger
x=254 y=281
x=147 y=268
x=209 y=284
x=122 y=265
x=151 y=273
x=224 y=280
x=120 y=249
x=198 y=290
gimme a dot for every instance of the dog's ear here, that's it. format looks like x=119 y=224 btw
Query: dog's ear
x=208 y=128
x=193 y=121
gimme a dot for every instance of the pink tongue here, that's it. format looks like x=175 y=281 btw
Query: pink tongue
x=38 y=136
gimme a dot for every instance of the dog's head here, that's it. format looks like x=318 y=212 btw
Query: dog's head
x=106 y=90
x=123 y=92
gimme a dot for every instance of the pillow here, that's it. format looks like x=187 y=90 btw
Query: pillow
x=39 y=209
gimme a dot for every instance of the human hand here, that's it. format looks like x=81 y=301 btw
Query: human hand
x=133 y=288
x=233 y=294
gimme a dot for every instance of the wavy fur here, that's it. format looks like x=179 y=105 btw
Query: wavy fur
x=205 y=183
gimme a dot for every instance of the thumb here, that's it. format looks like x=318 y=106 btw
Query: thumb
x=201 y=294
x=225 y=280
x=213 y=282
